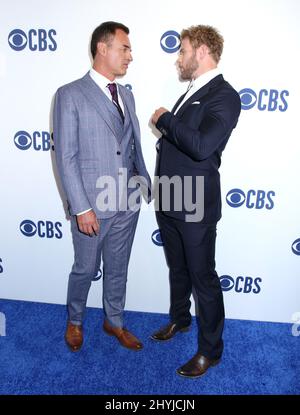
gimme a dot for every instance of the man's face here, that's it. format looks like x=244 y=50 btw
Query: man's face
x=187 y=62
x=118 y=54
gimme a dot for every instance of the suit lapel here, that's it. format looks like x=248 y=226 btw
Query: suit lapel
x=100 y=101
x=178 y=102
x=201 y=93
x=130 y=109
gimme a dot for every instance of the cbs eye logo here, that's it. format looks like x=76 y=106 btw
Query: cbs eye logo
x=227 y=282
x=17 y=39
x=170 y=41
x=235 y=198
x=28 y=228
x=98 y=276
x=39 y=140
x=296 y=247
x=37 y=40
x=253 y=199
x=156 y=238
x=1 y=267
x=44 y=229
x=266 y=100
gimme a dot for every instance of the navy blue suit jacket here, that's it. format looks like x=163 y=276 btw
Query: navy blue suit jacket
x=194 y=139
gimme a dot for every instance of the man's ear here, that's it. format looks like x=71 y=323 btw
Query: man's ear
x=102 y=48
x=202 y=51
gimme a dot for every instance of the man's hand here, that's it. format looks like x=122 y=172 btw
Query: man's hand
x=87 y=223
x=157 y=114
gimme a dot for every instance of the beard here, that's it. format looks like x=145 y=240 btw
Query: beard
x=191 y=66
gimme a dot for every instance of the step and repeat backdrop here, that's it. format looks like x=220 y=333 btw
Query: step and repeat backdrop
x=258 y=246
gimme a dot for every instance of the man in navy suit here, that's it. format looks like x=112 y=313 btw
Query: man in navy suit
x=194 y=135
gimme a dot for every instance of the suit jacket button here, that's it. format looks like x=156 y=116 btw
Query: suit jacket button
x=118 y=152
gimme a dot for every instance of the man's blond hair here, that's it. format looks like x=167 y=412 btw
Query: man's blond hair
x=205 y=35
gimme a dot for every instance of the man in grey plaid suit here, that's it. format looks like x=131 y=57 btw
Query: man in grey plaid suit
x=101 y=167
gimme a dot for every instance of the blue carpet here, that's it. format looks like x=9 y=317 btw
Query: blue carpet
x=259 y=358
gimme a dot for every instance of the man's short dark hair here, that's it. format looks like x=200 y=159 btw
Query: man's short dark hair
x=104 y=32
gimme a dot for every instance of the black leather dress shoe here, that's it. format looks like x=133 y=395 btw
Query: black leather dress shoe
x=197 y=366
x=169 y=331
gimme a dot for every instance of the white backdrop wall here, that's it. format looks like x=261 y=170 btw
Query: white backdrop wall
x=45 y=46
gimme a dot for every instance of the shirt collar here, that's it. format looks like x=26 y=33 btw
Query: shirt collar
x=204 y=79
x=100 y=80
x=198 y=83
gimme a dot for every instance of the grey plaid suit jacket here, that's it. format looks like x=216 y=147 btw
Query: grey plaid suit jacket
x=86 y=142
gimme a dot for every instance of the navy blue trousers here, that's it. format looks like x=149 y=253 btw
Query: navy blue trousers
x=190 y=254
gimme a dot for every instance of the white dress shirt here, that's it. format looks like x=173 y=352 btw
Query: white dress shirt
x=198 y=83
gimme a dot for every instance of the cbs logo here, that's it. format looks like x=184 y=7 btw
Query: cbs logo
x=156 y=238
x=170 y=41
x=44 y=229
x=296 y=247
x=98 y=276
x=1 y=267
x=39 y=140
x=266 y=100
x=36 y=40
x=253 y=199
x=240 y=284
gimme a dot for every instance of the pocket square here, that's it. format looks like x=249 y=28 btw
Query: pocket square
x=195 y=102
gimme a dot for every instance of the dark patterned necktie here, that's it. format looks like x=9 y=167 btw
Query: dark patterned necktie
x=114 y=94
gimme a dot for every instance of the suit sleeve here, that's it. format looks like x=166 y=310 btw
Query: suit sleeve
x=66 y=143
x=202 y=139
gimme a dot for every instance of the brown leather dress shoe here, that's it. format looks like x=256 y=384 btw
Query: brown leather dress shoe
x=197 y=366
x=169 y=331
x=124 y=336
x=74 y=337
